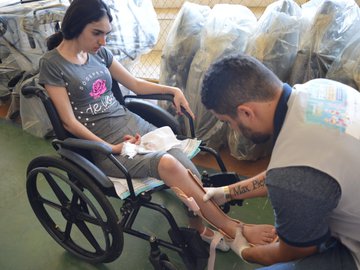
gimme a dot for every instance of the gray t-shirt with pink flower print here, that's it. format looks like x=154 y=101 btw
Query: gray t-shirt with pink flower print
x=89 y=89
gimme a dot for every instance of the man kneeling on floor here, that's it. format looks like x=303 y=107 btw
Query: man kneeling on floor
x=313 y=177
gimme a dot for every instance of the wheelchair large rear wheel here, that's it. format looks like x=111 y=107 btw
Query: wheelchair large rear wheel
x=74 y=210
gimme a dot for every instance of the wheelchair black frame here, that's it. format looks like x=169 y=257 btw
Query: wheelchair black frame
x=70 y=148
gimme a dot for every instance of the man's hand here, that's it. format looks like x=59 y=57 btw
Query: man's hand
x=239 y=243
x=220 y=194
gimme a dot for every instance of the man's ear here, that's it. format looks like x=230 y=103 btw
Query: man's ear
x=245 y=112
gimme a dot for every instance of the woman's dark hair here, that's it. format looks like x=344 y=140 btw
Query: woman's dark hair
x=77 y=16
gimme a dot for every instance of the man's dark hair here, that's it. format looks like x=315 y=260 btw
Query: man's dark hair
x=237 y=79
x=77 y=16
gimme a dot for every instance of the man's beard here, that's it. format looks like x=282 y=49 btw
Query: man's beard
x=255 y=137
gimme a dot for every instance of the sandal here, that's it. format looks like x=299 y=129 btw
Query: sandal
x=221 y=245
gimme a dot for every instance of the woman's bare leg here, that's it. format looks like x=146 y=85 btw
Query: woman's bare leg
x=175 y=175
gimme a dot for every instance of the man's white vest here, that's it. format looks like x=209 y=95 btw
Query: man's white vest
x=322 y=130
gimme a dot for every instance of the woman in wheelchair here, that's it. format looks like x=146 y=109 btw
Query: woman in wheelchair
x=77 y=73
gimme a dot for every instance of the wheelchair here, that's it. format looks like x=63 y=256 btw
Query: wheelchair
x=70 y=195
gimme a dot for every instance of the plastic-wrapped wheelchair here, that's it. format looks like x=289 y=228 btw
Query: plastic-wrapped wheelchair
x=70 y=195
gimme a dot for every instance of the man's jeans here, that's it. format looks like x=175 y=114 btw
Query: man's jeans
x=332 y=256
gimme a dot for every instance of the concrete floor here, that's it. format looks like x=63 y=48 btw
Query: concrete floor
x=26 y=245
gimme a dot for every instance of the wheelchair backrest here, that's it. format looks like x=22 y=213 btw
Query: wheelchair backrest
x=60 y=132
x=117 y=92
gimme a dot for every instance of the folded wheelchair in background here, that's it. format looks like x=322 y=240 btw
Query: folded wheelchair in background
x=23 y=29
x=69 y=195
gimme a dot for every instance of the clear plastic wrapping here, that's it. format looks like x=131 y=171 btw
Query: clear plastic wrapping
x=335 y=22
x=276 y=39
x=346 y=67
x=182 y=42
x=34 y=118
x=226 y=31
x=135 y=28
x=23 y=30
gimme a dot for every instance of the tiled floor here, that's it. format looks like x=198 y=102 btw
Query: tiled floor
x=26 y=245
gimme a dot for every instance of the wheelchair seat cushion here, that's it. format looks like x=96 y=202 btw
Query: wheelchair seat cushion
x=140 y=185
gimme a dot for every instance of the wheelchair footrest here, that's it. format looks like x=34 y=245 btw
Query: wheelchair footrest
x=219 y=179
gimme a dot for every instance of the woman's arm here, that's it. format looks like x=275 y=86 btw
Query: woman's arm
x=141 y=87
x=62 y=104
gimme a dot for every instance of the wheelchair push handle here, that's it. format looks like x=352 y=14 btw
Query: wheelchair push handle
x=191 y=121
x=29 y=91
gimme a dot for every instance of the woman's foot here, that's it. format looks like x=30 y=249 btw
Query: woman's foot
x=261 y=234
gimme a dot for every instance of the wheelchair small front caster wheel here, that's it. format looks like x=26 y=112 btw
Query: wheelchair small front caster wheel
x=159 y=261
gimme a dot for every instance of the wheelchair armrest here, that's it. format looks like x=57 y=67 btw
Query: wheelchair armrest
x=154 y=114
x=71 y=144
x=168 y=97
x=74 y=143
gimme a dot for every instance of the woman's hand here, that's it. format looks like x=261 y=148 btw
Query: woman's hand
x=180 y=101
x=132 y=139
x=117 y=148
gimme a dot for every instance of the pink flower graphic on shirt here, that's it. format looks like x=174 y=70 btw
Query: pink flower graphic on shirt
x=99 y=87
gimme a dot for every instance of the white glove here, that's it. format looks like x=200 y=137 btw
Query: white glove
x=220 y=194
x=239 y=243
